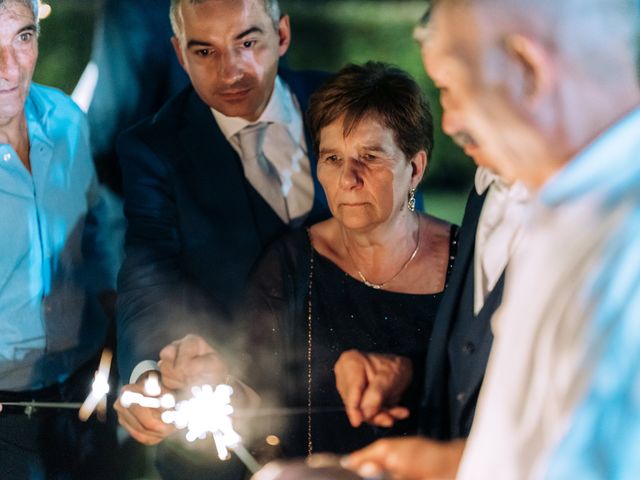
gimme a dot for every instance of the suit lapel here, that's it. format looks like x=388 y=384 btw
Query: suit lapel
x=435 y=386
x=476 y=375
x=214 y=170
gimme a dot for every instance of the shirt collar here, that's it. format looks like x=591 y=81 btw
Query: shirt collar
x=280 y=109
x=483 y=179
x=486 y=178
x=610 y=160
x=37 y=109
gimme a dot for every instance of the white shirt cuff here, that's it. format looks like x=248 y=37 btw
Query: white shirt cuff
x=142 y=368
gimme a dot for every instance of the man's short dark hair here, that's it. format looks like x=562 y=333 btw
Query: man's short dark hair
x=386 y=93
x=272 y=7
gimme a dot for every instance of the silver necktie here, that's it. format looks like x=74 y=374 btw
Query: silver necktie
x=259 y=171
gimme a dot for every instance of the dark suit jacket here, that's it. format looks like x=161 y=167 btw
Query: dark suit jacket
x=195 y=225
x=460 y=342
x=139 y=72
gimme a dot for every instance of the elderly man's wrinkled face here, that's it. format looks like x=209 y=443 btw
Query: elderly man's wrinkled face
x=18 y=55
x=365 y=175
x=230 y=50
x=455 y=56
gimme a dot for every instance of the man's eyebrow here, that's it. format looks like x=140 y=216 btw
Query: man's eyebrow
x=28 y=28
x=249 y=31
x=201 y=43
x=197 y=43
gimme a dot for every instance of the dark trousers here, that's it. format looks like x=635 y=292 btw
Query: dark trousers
x=55 y=444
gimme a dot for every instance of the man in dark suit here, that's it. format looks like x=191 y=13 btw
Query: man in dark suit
x=217 y=174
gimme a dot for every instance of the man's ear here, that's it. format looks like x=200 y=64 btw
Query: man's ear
x=418 y=167
x=284 y=34
x=175 y=41
x=535 y=65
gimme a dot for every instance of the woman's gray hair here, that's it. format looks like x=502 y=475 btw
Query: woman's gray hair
x=271 y=7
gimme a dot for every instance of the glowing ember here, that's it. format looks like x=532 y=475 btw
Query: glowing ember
x=152 y=385
x=272 y=440
x=99 y=389
x=208 y=411
x=133 y=398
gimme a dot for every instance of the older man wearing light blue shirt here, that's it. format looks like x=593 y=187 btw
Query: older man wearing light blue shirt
x=53 y=254
x=56 y=264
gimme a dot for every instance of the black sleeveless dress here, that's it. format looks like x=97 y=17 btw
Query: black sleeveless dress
x=343 y=314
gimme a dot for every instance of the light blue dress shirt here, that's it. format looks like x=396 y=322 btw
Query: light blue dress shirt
x=55 y=253
x=603 y=439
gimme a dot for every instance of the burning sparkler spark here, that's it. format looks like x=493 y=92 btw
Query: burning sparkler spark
x=97 y=399
x=153 y=400
x=152 y=385
x=208 y=411
x=128 y=398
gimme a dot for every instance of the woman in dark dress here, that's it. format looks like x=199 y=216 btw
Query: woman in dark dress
x=369 y=278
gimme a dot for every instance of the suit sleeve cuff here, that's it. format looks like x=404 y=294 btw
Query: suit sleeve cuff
x=142 y=368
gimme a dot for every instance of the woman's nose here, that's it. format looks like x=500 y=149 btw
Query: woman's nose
x=351 y=175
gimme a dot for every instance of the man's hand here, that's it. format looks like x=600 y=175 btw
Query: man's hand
x=191 y=361
x=143 y=424
x=371 y=386
x=412 y=458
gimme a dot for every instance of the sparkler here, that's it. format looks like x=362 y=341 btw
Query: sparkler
x=210 y=411
x=97 y=399
x=153 y=400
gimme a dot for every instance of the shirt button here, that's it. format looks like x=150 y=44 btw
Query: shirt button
x=461 y=397
x=6 y=157
x=469 y=348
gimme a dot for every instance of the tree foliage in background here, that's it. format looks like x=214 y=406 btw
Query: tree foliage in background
x=327 y=34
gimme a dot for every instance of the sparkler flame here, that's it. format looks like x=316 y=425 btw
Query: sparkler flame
x=99 y=389
x=154 y=400
x=129 y=398
x=208 y=411
x=152 y=385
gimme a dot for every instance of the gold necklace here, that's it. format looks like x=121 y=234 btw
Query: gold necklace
x=378 y=286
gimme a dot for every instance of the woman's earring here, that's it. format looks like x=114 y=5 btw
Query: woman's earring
x=411 y=204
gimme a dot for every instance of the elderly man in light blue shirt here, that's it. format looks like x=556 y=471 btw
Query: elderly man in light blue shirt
x=56 y=264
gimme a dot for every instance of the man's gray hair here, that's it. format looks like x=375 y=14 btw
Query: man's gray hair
x=272 y=8
x=33 y=5
x=587 y=31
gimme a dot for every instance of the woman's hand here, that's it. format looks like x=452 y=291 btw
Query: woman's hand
x=371 y=385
